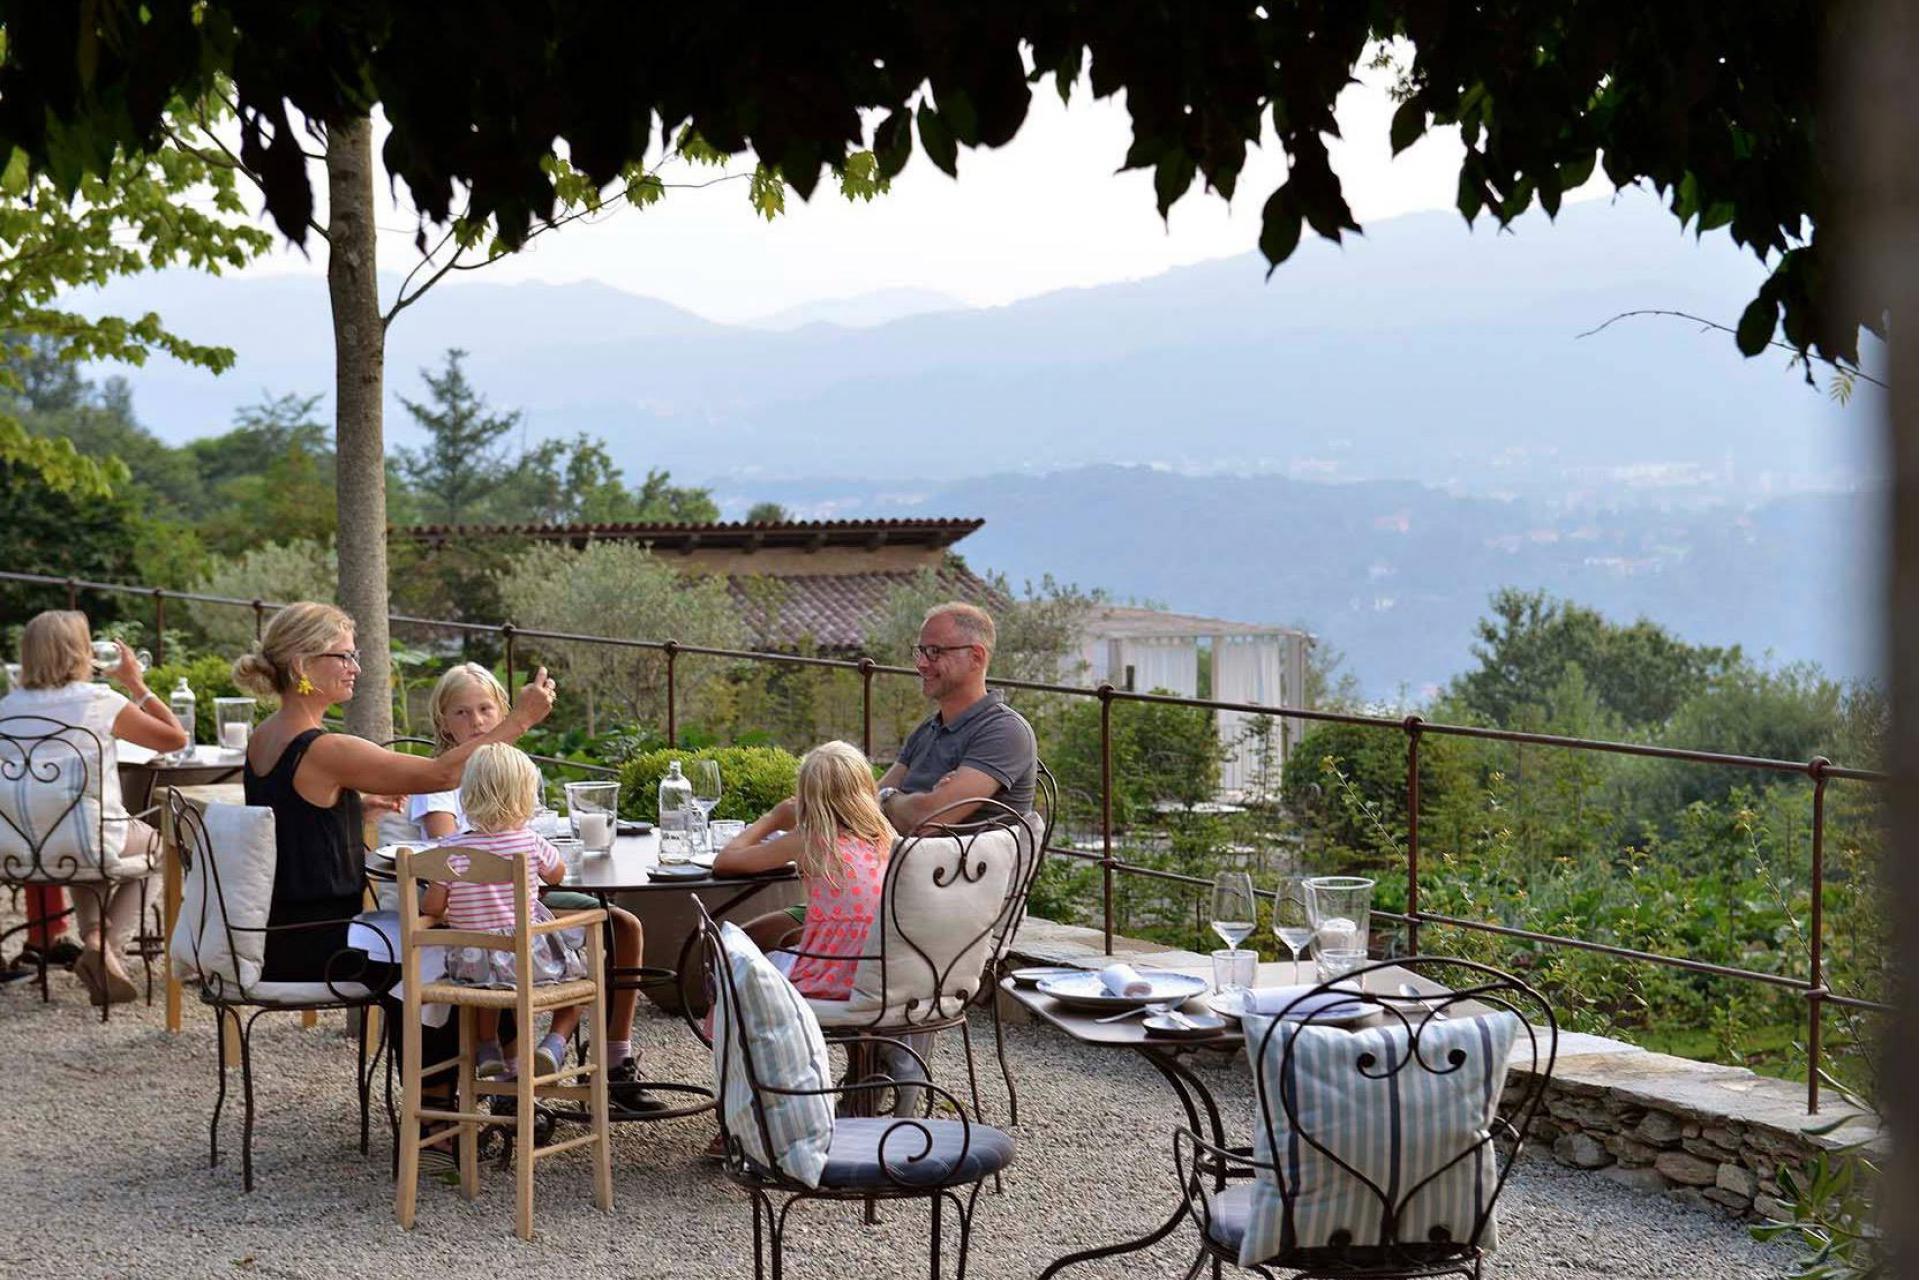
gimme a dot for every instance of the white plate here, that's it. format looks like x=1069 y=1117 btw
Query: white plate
x=1031 y=977
x=704 y=859
x=1189 y=1026
x=1086 y=991
x=1229 y=1004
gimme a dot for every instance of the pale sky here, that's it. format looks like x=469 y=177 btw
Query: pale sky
x=1048 y=211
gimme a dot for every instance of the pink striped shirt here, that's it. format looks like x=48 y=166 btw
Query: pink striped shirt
x=489 y=907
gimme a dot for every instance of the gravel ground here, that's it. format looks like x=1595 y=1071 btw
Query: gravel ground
x=104 y=1131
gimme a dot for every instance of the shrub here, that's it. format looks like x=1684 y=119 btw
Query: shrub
x=752 y=779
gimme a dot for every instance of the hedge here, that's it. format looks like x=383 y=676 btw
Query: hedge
x=752 y=779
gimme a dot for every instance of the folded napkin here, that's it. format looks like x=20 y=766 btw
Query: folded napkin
x=1269 y=1001
x=1125 y=980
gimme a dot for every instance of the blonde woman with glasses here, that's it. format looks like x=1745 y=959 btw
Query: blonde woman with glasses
x=313 y=779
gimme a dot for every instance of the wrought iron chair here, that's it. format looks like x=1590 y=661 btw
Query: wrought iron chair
x=55 y=829
x=1425 y=1211
x=867 y=1158
x=950 y=897
x=219 y=941
x=1046 y=807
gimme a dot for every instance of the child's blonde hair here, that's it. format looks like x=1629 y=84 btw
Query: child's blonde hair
x=499 y=788
x=836 y=796
x=457 y=678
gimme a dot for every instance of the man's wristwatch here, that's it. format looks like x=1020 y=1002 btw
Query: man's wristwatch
x=886 y=794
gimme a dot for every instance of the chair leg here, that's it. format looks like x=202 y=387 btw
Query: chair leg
x=597 y=1088
x=973 y=1083
x=362 y=1075
x=1006 y=1071
x=523 y=1131
x=466 y=1100
x=246 y=1094
x=406 y=1186
x=220 y=1095
x=933 y=1245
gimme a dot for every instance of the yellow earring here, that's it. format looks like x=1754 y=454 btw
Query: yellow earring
x=304 y=687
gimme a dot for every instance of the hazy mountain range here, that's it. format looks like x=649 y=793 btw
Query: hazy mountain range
x=1429 y=383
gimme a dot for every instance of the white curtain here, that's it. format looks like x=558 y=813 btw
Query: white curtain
x=1168 y=663
x=1248 y=669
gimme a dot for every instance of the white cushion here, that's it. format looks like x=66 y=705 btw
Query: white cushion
x=307 y=992
x=242 y=849
x=50 y=802
x=938 y=924
x=1029 y=852
x=788 y=1053
x=1398 y=1128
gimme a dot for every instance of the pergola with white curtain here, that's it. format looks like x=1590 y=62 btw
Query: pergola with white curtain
x=1150 y=649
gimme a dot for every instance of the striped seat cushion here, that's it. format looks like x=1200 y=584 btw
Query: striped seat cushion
x=1415 y=1128
x=788 y=1052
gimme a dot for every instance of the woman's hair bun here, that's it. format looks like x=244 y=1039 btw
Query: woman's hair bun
x=253 y=672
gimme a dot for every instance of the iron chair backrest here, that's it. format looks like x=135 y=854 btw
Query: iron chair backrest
x=1464 y=983
x=36 y=752
x=209 y=896
x=929 y=964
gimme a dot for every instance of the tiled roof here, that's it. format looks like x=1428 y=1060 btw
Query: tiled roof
x=809 y=535
x=836 y=610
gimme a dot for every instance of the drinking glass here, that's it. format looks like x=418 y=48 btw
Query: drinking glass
x=1291 y=924
x=1338 y=908
x=706 y=794
x=233 y=721
x=1234 y=970
x=1233 y=911
x=106 y=656
x=594 y=806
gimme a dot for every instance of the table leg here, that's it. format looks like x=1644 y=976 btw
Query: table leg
x=170 y=912
x=1187 y=1087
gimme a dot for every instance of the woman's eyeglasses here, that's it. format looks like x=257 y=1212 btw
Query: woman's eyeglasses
x=349 y=656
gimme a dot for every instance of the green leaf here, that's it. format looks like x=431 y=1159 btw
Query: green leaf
x=937 y=140
x=1756 y=326
x=893 y=143
x=1715 y=215
x=1279 y=228
x=1575 y=173
x=1171 y=178
x=1409 y=123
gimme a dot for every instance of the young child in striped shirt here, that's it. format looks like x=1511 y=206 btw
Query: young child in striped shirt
x=499 y=791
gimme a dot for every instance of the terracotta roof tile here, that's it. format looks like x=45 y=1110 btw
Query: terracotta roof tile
x=836 y=610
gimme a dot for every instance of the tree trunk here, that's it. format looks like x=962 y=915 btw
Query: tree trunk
x=359 y=360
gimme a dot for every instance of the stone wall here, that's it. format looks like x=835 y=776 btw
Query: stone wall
x=1694 y=1131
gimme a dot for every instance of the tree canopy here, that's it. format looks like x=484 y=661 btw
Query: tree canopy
x=1718 y=107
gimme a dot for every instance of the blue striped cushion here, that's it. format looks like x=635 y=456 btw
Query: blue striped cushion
x=1399 y=1128
x=788 y=1053
x=50 y=817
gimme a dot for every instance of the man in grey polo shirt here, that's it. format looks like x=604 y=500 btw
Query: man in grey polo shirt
x=974 y=746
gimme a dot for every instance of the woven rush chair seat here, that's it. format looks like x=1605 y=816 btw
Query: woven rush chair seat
x=551 y=995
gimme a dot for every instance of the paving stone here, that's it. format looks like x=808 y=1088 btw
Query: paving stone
x=1687 y=1169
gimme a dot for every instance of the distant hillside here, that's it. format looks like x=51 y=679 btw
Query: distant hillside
x=1394 y=574
x=1422 y=351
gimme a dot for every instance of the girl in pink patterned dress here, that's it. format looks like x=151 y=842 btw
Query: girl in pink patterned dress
x=833 y=830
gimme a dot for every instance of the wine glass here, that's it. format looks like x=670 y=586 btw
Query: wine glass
x=706 y=794
x=1233 y=911
x=1291 y=923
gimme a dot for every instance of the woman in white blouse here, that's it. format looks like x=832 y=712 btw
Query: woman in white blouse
x=56 y=666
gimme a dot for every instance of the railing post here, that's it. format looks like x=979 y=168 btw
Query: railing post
x=259 y=618
x=1412 y=725
x=1816 y=979
x=159 y=626
x=672 y=648
x=506 y=640
x=73 y=594
x=1106 y=814
x=866 y=706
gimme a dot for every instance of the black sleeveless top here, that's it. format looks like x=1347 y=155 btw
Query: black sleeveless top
x=319 y=853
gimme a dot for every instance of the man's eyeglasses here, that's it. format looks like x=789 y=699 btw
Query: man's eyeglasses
x=350 y=656
x=932 y=652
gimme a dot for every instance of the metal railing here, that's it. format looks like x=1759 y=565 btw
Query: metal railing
x=1821 y=772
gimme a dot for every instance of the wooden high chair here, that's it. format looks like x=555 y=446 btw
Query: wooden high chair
x=525 y=999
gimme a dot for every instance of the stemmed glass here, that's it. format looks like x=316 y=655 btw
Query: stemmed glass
x=1233 y=910
x=706 y=794
x=1291 y=923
